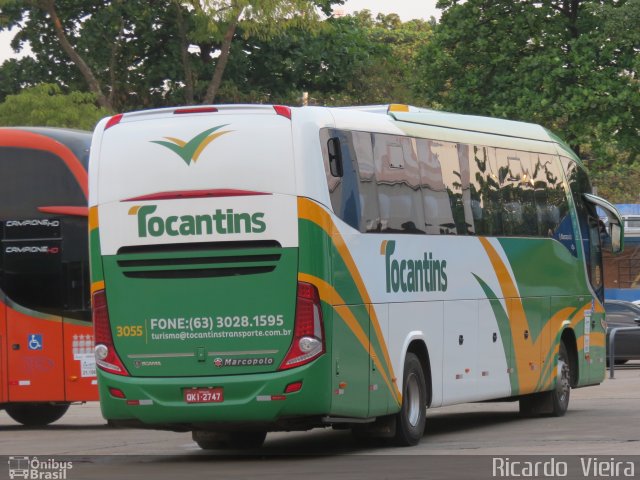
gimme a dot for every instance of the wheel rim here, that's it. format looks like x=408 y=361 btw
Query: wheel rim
x=563 y=384
x=413 y=400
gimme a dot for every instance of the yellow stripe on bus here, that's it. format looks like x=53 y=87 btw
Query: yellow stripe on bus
x=93 y=218
x=327 y=291
x=309 y=210
x=525 y=348
x=95 y=286
x=556 y=319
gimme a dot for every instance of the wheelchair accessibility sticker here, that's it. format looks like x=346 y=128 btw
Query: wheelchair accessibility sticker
x=35 y=341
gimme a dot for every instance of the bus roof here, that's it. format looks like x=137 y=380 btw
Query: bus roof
x=78 y=141
x=469 y=123
x=458 y=121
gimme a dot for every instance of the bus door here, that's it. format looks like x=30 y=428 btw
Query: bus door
x=597 y=235
x=31 y=269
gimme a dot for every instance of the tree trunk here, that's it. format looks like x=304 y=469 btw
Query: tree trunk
x=49 y=7
x=184 y=54
x=113 y=64
x=221 y=64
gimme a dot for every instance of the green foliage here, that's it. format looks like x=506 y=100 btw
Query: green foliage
x=46 y=106
x=129 y=46
x=569 y=65
x=144 y=54
x=618 y=183
x=262 y=19
x=350 y=60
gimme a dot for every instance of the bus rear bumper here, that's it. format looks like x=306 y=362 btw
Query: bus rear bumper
x=257 y=401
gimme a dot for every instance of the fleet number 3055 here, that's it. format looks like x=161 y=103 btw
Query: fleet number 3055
x=129 y=331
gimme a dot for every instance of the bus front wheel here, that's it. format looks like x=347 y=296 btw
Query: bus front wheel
x=554 y=402
x=411 y=419
x=36 y=414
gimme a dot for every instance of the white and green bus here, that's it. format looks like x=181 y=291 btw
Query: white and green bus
x=263 y=268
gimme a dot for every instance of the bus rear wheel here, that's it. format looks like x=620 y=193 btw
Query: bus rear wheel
x=411 y=419
x=36 y=414
x=207 y=440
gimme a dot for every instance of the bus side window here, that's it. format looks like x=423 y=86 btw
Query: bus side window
x=344 y=191
x=484 y=190
x=552 y=208
x=368 y=188
x=435 y=196
x=398 y=184
x=513 y=168
x=465 y=157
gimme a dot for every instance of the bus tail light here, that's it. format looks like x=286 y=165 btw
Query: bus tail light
x=113 y=121
x=308 y=330
x=106 y=357
x=283 y=111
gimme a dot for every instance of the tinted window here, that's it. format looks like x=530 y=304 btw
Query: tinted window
x=484 y=188
x=370 y=220
x=437 y=162
x=43 y=261
x=398 y=179
x=516 y=193
x=34 y=178
x=400 y=184
x=344 y=191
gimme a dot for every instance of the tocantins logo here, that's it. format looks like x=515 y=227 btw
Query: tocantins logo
x=426 y=274
x=190 y=150
x=218 y=223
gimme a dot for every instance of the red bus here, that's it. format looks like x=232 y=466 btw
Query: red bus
x=46 y=336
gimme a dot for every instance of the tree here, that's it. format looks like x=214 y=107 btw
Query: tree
x=109 y=48
x=46 y=106
x=571 y=65
x=354 y=59
x=146 y=54
x=217 y=22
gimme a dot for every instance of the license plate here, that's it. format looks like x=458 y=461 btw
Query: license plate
x=203 y=395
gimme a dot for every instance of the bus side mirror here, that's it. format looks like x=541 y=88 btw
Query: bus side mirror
x=616 y=232
x=335 y=156
x=616 y=223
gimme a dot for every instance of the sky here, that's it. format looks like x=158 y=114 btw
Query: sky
x=406 y=9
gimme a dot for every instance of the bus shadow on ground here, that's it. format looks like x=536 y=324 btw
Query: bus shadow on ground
x=460 y=421
x=331 y=442
x=51 y=428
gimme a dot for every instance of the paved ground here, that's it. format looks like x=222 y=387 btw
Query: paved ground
x=602 y=422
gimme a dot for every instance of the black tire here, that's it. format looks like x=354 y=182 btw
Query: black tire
x=411 y=419
x=561 y=394
x=228 y=440
x=554 y=402
x=36 y=414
